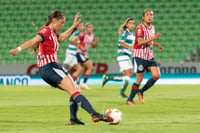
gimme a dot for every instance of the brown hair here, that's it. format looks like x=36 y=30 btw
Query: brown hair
x=146 y=11
x=55 y=14
x=123 y=26
x=87 y=24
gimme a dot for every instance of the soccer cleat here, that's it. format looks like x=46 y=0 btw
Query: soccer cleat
x=123 y=96
x=85 y=86
x=104 y=80
x=76 y=121
x=101 y=117
x=131 y=103
x=141 y=98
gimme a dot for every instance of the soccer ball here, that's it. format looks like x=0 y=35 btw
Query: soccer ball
x=115 y=114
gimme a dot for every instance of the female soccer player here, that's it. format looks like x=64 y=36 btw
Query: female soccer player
x=125 y=48
x=70 y=57
x=143 y=56
x=51 y=71
x=86 y=39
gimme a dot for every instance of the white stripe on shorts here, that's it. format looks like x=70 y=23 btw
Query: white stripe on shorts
x=60 y=72
x=82 y=57
x=135 y=66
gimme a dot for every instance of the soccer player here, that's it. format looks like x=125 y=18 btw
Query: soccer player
x=70 y=57
x=86 y=39
x=46 y=43
x=143 y=56
x=125 y=48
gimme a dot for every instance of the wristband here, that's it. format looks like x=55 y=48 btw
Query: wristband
x=19 y=49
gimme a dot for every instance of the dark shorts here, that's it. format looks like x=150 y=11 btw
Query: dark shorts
x=52 y=73
x=81 y=58
x=141 y=65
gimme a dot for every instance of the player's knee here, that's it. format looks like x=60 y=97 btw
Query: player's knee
x=92 y=68
x=156 y=76
x=130 y=74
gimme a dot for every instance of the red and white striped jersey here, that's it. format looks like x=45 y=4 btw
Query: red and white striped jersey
x=144 y=51
x=48 y=47
x=85 y=41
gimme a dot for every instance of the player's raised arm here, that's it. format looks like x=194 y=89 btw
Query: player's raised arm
x=26 y=45
x=65 y=34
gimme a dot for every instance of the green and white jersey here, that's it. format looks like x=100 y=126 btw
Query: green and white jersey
x=129 y=39
x=72 y=48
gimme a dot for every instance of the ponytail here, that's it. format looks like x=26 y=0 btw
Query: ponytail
x=48 y=20
x=35 y=48
x=122 y=28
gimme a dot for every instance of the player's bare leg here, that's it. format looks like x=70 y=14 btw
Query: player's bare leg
x=78 y=72
x=70 y=87
x=135 y=88
x=127 y=74
x=89 y=68
x=155 y=71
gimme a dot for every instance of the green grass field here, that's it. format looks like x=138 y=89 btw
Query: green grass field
x=42 y=109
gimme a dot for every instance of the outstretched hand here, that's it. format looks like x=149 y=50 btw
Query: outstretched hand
x=160 y=48
x=77 y=19
x=97 y=41
x=13 y=51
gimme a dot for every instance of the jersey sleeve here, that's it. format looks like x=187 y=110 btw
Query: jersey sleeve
x=81 y=36
x=44 y=33
x=139 y=32
x=122 y=37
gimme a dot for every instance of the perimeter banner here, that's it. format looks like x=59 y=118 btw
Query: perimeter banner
x=15 y=80
x=102 y=68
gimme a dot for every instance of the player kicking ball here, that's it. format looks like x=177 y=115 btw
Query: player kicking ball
x=45 y=45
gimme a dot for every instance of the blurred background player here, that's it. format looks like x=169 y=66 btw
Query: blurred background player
x=46 y=45
x=70 y=57
x=143 y=56
x=125 y=48
x=86 y=39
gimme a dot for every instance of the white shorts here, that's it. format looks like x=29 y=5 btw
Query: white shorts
x=70 y=60
x=125 y=65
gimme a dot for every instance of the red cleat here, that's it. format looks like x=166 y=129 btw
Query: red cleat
x=141 y=99
x=131 y=103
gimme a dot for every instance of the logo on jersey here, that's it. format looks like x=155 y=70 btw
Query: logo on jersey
x=140 y=67
x=139 y=31
x=44 y=30
x=130 y=37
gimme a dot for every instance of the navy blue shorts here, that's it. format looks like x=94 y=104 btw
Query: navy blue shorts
x=141 y=65
x=52 y=73
x=81 y=58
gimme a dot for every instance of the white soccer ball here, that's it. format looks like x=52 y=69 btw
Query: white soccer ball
x=115 y=114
